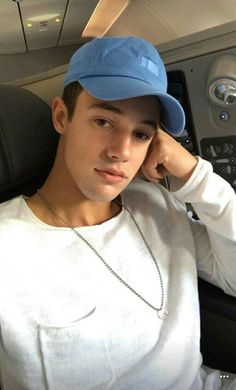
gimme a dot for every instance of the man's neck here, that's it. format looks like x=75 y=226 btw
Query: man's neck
x=56 y=209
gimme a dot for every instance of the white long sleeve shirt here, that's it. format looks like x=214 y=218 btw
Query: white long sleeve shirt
x=68 y=323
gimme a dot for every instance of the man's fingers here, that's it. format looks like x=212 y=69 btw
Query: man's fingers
x=156 y=174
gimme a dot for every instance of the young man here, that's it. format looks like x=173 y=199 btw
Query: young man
x=98 y=272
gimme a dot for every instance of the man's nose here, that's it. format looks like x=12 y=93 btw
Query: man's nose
x=119 y=147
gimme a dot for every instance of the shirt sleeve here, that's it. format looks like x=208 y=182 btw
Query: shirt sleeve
x=214 y=234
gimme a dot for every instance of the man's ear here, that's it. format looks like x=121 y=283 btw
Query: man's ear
x=59 y=115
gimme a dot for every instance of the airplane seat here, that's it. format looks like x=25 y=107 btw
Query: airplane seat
x=28 y=142
x=218 y=325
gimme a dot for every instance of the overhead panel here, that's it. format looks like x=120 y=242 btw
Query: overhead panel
x=42 y=22
x=163 y=21
x=186 y=17
x=140 y=20
x=11 y=33
x=76 y=18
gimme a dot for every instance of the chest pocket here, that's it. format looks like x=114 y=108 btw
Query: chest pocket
x=74 y=356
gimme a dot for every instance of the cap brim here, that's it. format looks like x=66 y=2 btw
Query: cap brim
x=118 y=88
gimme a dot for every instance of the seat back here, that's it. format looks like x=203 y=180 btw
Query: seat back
x=28 y=141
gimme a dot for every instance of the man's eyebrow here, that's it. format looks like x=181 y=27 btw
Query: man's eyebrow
x=153 y=124
x=109 y=107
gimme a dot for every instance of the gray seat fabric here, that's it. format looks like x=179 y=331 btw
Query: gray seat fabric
x=27 y=141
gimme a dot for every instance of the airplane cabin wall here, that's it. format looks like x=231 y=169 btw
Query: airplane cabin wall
x=213 y=126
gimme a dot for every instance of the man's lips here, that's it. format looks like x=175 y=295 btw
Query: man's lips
x=111 y=175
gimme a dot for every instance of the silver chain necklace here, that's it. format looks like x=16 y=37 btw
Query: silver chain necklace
x=161 y=311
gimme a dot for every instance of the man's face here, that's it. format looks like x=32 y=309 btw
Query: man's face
x=105 y=143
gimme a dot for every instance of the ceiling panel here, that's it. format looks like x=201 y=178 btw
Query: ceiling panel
x=185 y=17
x=11 y=34
x=161 y=21
x=141 y=21
x=48 y=23
x=77 y=16
x=42 y=21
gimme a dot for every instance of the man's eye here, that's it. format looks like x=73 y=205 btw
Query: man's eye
x=142 y=136
x=102 y=123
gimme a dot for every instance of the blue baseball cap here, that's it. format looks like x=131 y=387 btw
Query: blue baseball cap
x=116 y=68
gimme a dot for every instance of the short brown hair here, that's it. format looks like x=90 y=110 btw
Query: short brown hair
x=70 y=95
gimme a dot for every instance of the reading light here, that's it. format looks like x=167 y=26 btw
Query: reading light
x=222 y=81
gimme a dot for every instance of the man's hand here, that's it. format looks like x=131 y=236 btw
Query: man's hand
x=167 y=157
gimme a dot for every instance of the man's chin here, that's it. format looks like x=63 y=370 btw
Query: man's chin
x=105 y=193
x=108 y=196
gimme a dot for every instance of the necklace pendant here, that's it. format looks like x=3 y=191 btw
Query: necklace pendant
x=162 y=314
